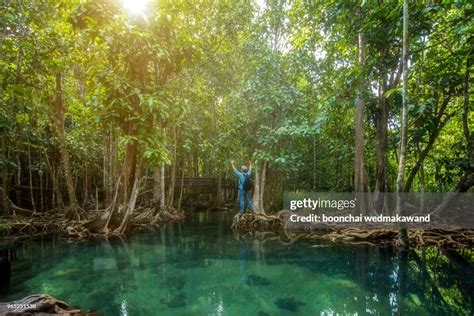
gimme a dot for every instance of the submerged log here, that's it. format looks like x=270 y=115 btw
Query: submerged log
x=40 y=303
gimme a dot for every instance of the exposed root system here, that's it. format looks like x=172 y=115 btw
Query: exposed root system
x=40 y=304
x=258 y=225
x=90 y=225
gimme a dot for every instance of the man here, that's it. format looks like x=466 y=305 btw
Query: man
x=243 y=176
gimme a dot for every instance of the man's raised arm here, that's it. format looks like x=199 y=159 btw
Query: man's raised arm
x=233 y=166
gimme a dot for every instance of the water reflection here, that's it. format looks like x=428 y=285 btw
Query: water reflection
x=200 y=267
x=6 y=257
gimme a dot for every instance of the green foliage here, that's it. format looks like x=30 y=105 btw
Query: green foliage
x=222 y=80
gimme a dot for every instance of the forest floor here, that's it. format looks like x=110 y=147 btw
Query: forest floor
x=265 y=227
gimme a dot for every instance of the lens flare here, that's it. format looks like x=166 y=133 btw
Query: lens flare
x=136 y=7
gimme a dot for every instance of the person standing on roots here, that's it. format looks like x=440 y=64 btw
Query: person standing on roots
x=244 y=185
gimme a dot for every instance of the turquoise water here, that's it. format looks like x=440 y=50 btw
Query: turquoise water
x=199 y=267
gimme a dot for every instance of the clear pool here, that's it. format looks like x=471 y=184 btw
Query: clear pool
x=200 y=267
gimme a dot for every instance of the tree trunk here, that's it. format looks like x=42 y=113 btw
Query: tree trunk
x=132 y=201
x=421 y=176
x=105 y=176
x=41 y=175
x=218 y=198
x=5 y=176
x=173 y=172
x=262 y=186
x=18 y=179
x=30 y=176
x=58 y=121
x=162 y=188
x=156 y=189
x=181 y=189
x=110 y=163
x=256 y=191
x=85 y=189
x=359 y=175
x=195 y=165
x=360 y=182
x=96 y=196
x=129 y=164
x=403 y=235
x=314 y=164
x=273 y=188
x=433 y=136
x=56 y=198
x=465 y=120
x=381 y=140
x=5 y=204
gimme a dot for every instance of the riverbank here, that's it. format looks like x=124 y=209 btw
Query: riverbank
x=18 y=227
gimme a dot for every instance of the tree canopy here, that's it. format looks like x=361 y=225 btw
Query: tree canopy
x=95 y=97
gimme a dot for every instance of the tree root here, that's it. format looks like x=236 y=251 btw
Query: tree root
x=167 y=215
x=249 y=224
x=75 y=213
x=256 y=222
x=16 y=210
x=43 y=304
x=52 y=222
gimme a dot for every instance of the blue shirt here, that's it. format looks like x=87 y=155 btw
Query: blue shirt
x=241 y=176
